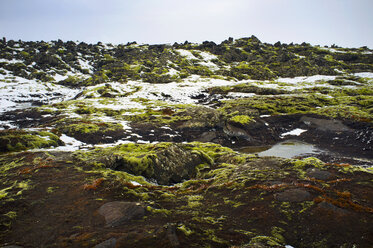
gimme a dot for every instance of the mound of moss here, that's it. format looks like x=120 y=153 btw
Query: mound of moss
x=18 y=140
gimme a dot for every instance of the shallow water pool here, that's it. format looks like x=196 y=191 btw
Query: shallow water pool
x=285 y=149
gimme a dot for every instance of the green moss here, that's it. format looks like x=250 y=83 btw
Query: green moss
x=212 y=151
x=184 y=229
x=209 y=234
x=244 y=232
x=305 y=206
x=4 y=193
x=349 y=104
x=83 y=128
x=194 y=201
x=277 y=234
x=109 y=173
x=286 y=209
x=308 y=162
x=51 y=189
x=241 y=119
x=11 y=214
x=17 y=140
x=232 y=203
x=221 y=175
x=6 y=166
x=164 y=212
x=139 y=158
x=87 y=127
x=266 y=240
x=14 y=190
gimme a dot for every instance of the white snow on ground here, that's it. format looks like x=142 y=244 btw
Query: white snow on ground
x=14 y=94
x=119 y=142
x=125 y=124
x=13 y=61
x=210 y=65
x=59 y=77
x=172 y=72
x=71 y=144
x=240 y=94
x=5 y=104
x=186 y=53
x=85 y=65
x=7 y=125
x=135 y=183
x=208 y=56
x=333 y=50
x=180 y=93
x=364 y=74
x=311 y=79
x=295 y=132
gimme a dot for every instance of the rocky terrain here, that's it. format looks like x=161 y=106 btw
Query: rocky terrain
x=238 y=144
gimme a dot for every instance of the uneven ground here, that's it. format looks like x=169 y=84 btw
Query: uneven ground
x=241 y=144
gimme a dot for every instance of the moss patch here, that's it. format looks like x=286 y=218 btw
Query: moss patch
x=17 y=140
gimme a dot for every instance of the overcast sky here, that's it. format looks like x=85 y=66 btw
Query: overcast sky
x=347 y=23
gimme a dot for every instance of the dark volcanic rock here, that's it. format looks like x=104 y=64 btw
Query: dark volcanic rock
x=328 y=207
x=325 y=124
x=318 y=174
x=293 y=195
x=170 y=164
x=118 y=212
x=110 y=243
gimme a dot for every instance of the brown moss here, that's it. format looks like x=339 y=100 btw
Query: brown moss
x=95 y=184
x=343 y=202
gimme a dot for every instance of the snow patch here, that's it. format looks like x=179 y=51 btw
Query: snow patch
x=135 y=183
x=85 y=65
x=71 y=144
x=186 y=53
x=240 y=94
x=364 y=74
x=311 y=79
x=19 y=91
x=295 y=132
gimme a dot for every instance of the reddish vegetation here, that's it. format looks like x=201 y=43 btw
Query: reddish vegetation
x=272 y=187
x=96 y=183
x=340 y=180
x=41 y=165
x=343 y=202
x=338 y=165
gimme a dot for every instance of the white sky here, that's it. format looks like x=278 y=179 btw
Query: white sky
x=347 y=23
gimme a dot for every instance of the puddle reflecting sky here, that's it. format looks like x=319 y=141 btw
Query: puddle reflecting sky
x=285 y=149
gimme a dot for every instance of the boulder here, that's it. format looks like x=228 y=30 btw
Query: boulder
x=293 y=195
x=318 y=174
x=110 y=243
x=118 y=212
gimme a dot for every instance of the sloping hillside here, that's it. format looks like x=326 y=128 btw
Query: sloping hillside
x=238 y=144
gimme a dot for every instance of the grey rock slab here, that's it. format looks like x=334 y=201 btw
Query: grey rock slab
x=319 y=174
x=332 y=208
x=293 y=195
x=325 y=124
x=110 y=243
x=119 y=212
